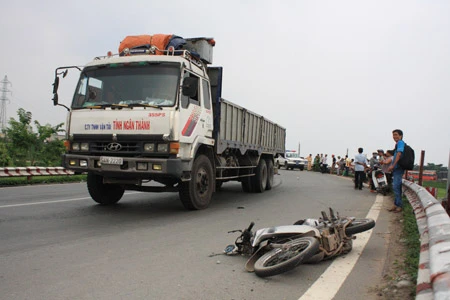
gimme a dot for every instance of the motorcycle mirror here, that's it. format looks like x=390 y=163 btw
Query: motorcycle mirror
x=333 y=217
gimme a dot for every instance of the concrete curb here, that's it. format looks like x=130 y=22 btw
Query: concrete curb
x=433 y=222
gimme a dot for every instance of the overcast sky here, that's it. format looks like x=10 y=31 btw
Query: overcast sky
x=337 y=75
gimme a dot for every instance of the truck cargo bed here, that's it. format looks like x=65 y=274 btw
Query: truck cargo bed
x=245 y=130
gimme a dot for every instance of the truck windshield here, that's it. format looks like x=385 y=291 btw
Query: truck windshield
x=120 y=85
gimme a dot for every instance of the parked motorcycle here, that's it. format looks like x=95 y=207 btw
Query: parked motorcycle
x=379 y=180
x=275 y=250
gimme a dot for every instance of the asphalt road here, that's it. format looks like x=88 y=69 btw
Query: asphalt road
x=56 y=243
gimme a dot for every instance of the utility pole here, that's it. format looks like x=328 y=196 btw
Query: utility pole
x=3 y=98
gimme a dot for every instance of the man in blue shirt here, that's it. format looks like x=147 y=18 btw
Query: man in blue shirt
x=396 y=170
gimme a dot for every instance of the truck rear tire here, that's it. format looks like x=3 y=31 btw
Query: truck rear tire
x=104 y=194
x=197 y=193
x=259 y=181
x=270 y=173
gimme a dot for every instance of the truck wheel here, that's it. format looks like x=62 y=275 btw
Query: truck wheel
x=270 y=173
x=196 y=193
x=104 y=194
x=259 y=181
x=302 y=168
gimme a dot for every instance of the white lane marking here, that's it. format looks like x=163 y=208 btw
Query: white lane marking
x=329 y=283
x=51 y=202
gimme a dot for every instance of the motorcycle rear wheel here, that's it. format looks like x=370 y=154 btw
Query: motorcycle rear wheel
x=359 y=225
x=278 y=261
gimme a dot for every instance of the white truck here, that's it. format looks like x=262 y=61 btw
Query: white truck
x=153 y=120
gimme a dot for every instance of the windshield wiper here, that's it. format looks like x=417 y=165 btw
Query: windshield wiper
x=100 y=106
x=144 y=105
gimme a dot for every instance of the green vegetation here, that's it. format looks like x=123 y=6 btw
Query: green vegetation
x=412 y=241
x=21 y=146
x=10 y=181
x=440 y=185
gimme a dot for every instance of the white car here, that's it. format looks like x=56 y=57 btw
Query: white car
x=291 y=160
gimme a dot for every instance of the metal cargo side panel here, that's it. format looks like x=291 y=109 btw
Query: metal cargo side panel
x=231 y=122
x=244 y=130
x=252 y=130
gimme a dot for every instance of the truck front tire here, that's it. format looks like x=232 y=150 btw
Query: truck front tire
x=197 y=193
x=104 y=194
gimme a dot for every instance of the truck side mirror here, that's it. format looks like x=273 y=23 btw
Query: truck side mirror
x=190 y=86
x=55 y=90
x=55 y=85
x=55 y=99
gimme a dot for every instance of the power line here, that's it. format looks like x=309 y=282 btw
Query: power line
x=4 y=97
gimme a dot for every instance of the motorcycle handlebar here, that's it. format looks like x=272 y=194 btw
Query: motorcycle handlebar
x=251 y=226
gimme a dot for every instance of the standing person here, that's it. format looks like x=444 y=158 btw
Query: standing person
x=348 y=164
x=397 y=171
x=309 y=158
x=324 y=163
x=360 y=166
x=333 y=164
x=316 y=164
x=373 y=163
x=341 y=166
x=388 y=161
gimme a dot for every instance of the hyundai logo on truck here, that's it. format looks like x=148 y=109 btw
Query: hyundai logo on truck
x=114 y=146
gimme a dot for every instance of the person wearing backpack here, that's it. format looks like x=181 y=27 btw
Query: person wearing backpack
x=397 y=170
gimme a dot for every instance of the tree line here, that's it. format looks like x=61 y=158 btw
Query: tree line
x=22 y=145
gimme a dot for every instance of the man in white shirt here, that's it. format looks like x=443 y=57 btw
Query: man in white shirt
x=360 y=165
x=324 y=163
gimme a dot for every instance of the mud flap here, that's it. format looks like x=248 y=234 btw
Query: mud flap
x=250 y=265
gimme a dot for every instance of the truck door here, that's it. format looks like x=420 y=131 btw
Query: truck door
x=196 y=120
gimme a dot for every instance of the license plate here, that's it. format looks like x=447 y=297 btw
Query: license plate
x=108 y=160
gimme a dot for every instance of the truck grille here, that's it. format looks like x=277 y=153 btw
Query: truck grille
x=102 y=147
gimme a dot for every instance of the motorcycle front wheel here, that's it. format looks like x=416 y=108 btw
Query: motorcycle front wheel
x=278 y=261
x=359 y=225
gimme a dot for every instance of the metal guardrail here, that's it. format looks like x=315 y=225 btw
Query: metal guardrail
x=33 y=171
x=433 y=222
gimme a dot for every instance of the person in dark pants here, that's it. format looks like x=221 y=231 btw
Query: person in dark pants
x=360 y=166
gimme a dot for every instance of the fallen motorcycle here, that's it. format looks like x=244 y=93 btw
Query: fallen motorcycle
x=278 y=249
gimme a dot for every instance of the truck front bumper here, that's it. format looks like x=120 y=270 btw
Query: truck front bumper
x=131 y=167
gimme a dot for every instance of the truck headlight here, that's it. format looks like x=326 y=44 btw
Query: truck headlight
x=149 y=147
x=84 y=147
x=76 y=146
x=163 y=147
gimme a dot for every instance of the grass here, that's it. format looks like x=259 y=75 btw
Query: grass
x=412 y=241
x=440 y=185
x=10 y=181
